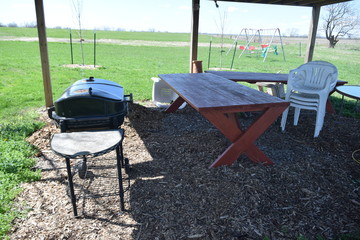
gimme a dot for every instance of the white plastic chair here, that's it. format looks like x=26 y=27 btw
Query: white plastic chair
x=308 y=88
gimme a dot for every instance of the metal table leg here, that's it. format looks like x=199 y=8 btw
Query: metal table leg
x=342 y=104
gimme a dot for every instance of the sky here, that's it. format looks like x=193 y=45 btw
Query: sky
x=160 y=15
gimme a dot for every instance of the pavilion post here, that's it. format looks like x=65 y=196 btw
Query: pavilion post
x=40 y=17
x=312 y=33
x=194 y=33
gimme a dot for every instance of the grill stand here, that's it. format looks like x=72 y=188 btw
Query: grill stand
x=73 y=145
x=71 y=186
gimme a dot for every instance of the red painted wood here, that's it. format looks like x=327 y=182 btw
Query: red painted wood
x=228 y=125
x=206 y=91
x=245 y=143
x=218 y=100
x=175 y=105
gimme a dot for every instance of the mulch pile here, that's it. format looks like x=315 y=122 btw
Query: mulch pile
x=312 y=190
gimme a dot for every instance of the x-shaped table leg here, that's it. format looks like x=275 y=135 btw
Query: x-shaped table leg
x=242 y=141
x=175 y=105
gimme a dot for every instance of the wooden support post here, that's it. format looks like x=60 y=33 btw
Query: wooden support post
x=312 y=34
x=194 y=32
x=197 y=66
x=40 y=17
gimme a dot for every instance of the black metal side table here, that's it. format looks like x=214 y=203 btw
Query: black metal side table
x=90 y=144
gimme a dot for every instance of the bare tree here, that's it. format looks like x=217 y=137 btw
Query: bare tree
x=77 y=4
x=340 y=20
x=222 y=19
x=13 y=24
x=293 y=32
x=30 y=25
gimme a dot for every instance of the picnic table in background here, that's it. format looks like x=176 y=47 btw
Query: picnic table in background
x=255 y=77
x=219 y=100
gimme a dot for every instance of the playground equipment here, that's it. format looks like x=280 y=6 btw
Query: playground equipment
x=258 y=36
x=258 y=42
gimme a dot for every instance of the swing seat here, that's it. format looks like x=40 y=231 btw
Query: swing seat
x=251 y=48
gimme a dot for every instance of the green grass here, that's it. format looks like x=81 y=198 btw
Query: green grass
x=16 y=161
x=101 y=34
x=21 y=86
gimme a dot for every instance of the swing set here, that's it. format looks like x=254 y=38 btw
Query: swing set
x=258 y=42
x=263 y=37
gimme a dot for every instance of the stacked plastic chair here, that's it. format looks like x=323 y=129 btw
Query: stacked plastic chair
x=308 y=88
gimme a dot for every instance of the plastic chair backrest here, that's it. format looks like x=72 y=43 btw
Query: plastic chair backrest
x=315 y=76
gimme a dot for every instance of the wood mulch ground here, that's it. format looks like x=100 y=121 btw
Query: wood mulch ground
x=312 y=190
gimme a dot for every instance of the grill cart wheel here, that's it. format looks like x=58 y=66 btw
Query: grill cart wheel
x=83 y=168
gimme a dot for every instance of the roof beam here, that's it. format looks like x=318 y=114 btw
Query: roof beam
x=308 y=3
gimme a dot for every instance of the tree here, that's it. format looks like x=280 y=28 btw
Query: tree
x=77 y=4
x=13 y=24
x=293 y=32
x=340 y=20
x=30 y=24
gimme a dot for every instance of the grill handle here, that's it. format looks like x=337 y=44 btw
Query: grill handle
x=50 y=110
x=128 y=98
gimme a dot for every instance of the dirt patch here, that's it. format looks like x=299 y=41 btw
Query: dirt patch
x=313 y=189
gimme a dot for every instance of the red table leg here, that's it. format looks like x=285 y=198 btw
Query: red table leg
x=175 y=105
x=242 y=141
x=329 y=107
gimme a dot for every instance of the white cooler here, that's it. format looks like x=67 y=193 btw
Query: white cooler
x=162 y=94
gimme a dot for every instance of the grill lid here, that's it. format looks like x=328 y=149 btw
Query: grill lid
x=94 y=87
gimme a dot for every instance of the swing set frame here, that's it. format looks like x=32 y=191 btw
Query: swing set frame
x=251 y=38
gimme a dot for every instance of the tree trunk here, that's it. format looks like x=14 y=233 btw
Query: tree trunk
x=332 y=41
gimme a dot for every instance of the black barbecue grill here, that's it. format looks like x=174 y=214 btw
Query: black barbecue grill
x=91 y=103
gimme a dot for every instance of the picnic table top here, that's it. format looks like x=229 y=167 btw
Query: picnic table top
x=254 y=77
x=206 y=91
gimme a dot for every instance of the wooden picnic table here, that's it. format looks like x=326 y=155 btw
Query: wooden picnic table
x=219 y=100
x=254 y=77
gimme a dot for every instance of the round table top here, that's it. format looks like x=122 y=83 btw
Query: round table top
x=352 y=91
x=95 y=143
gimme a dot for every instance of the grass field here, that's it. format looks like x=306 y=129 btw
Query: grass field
x=21 y=89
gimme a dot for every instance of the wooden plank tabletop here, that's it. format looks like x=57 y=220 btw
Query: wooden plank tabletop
x=205 y=91
x=254 y=77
